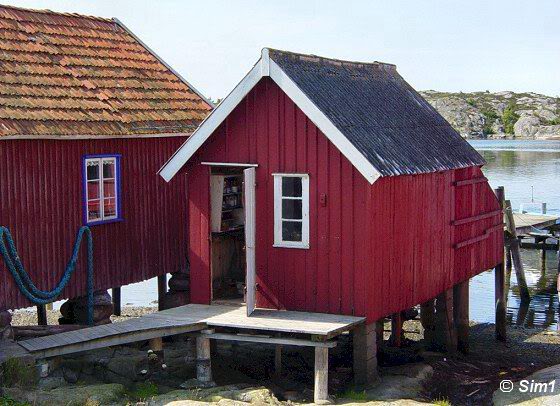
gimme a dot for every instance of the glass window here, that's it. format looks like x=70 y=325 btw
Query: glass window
x=101 y=189
x=291 y=210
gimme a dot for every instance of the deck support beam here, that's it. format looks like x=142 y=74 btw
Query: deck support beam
x=364 y=341
x=162 y=290
x=427 y=318
x=203 y=359
x=396 y=329
x=42 y=315
x=446 y=338
x=500 y=301
x=116 y=296
x=277 y=360
x=461 y=314
x=321 y=392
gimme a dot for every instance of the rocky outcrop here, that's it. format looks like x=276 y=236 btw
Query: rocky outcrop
x=498 y=115
x=70 y=395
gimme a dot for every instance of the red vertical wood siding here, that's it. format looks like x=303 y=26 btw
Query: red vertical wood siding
x=41 y=203
x=374 y=249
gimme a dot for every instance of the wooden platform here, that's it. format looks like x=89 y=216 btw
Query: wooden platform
x=526 y=223
x=189 y=318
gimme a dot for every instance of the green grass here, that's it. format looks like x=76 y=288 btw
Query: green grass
x=16 y=373
x=6 y=401
x=442 y=402
x=355 y=395
x=143 y=391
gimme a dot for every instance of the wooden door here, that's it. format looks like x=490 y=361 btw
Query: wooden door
x=250 y=219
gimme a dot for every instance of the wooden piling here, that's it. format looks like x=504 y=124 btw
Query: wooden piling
x=446 y=337
x=203 y=360
x=364 y=343
x=427 y=318
x=116 y=297
x=461 y=315
x=278 y=360
x=499 y=271
x=515 y=252
x=162 y=290
x=42 y=315
x=321 y=392
x=396 y=329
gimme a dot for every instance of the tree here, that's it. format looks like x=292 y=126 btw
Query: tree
x=509 y=118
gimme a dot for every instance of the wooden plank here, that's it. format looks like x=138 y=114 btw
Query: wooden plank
x=471 y=181
x=321 y=392
x=271 y=340
x=475 y=218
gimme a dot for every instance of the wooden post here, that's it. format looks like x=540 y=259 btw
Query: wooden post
x=499 y=272
x=278 y=360
x=156 y=345
x=321 y=393
x=116 y=296
x=203 y=361
x=515 y=252
x=427 y=318
x=42 y=315
x=461 y=315
x=162 y=290
x=446 y=338
x=364 y=346
x=396 y=329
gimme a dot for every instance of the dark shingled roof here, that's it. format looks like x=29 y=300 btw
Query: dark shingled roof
x=381 y=115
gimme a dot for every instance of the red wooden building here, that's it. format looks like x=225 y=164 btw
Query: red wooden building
x=353 y=194
x=88 y=114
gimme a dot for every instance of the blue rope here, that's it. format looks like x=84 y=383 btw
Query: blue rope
x=26 y=285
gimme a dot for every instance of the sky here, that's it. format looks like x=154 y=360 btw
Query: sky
x=473 y=45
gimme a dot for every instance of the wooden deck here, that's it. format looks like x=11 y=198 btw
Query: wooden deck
x=526 y=223
x=189 y=318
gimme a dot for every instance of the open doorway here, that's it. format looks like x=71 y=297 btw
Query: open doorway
x=228 y=248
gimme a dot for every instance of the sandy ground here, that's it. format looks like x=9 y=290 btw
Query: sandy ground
x=462 y=379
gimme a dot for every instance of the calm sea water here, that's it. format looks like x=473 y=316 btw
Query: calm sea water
x=530 y=172
x=527 y=169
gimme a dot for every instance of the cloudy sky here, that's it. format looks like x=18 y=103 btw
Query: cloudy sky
x=443 y=45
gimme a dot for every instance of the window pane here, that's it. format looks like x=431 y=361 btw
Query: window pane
x=291 y=231
x=291 y=209
x=291 y=186
x=94 y=210
x=92 y=169
x=109 y=208
x=109 y=188
x=93 y=190
x=108 y=168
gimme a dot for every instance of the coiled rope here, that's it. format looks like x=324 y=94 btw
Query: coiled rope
x=26 y=285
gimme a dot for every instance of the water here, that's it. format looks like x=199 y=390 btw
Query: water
x=516 y=165
x=529 y=170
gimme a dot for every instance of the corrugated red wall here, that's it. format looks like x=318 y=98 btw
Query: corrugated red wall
x=41 y=203
x=373 y=250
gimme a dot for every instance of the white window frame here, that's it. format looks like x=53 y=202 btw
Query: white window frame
x=278 y=241
x=100 y=160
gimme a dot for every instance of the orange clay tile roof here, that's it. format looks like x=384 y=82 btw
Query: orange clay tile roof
x=68 y=74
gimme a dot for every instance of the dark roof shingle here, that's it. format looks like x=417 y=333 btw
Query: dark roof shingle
x=397 y=131
x=68 y=74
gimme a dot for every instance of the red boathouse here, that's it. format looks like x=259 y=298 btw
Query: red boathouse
x=88 y=115
x=332 y=186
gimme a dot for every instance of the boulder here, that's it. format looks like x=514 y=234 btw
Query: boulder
x=547 y=394
x=74 y=311
x=548 y=132
x=5 y=319
x=466 y=119
x=526 y=126
x=222 y=395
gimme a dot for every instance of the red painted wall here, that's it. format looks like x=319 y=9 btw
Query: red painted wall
x=373 y=250
x=41 y=203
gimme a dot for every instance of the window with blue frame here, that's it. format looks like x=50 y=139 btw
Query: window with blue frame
x=101 y=188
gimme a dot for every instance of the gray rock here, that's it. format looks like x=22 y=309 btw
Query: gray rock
x=69 y=375
x=547 y=132
x=533 y=398
x=51 y=382
x=70 y=395
x=526 y=126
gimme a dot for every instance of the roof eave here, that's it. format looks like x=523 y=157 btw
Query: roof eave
x=267 y=67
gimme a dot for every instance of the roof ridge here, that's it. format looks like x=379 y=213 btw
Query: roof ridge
x=60 y=13
x=332 y=60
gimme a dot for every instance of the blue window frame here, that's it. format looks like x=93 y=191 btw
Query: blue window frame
x=101 y=189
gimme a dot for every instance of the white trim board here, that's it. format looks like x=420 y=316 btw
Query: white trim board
x=88 y=136
x=267 y=67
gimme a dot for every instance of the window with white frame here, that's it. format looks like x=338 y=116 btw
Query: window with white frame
x=101 y=177
x=291 y=210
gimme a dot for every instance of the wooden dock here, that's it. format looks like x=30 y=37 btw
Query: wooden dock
x=278 y=328
x=190 y=318
x=526 y=223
